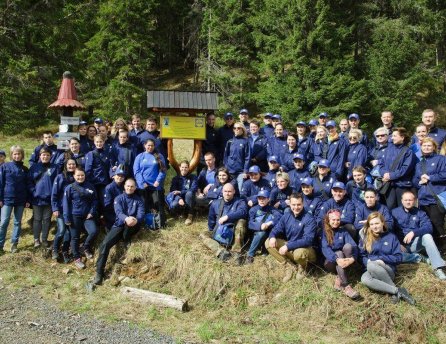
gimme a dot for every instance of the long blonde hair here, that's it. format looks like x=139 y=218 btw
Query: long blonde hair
x=370 y=238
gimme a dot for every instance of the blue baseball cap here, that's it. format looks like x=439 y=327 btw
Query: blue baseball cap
x=268 y=115
x=330 y=124
x=254 y=169
x=119 y=171
x=313 y=122
x=244 y=111
x=323 y=163
x=82 y=123
x=277 y=116
x=98 y=120
x=353 y=116
x=263 y=193
x=301 y=123
x=273 y=158
x=307 y=181
x=298 y=156
x=338 y=185
x=228 y=114
x=2 y=152
x=323 y=115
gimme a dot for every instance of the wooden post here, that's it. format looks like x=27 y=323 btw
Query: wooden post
x=162 y=300
x=194 y=161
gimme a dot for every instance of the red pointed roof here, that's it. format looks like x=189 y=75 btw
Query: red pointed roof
x=67 y=94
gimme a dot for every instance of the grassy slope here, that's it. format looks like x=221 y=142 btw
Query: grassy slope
x=230 y=304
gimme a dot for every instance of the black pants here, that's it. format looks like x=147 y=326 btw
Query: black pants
x=436 y=216
x=154 y=200
x=393 y=196
x=111 y=239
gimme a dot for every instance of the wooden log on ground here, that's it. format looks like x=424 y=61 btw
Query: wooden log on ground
x=162 y=300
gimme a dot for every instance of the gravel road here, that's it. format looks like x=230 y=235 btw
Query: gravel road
x=27 y=318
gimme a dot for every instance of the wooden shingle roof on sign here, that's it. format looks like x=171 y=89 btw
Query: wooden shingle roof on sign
x=177 y=101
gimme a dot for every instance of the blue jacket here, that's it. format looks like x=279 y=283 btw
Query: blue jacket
x=206 y=177
x=312 y=205
x=86 y=144
x=280 y=196
x=271 y=177
x=296 y=177
x=147 y=170
x=210 y=144
x=345 y=206
x=40 y=182
x=322 y=188
x=363 y=212
x=14 y=184
x=340 y=237
x=123 y=155
x=304 y=147
x=236 y=209
x=97 y=167
x=334 y=151
x=276 y=146
x=80 y=160
x=128 y=205
x=386 y=248
x=357 y=156
x=216 y=191
x=258 y=152
x=57 y=192
x=414 y=220
x=250 y=189
x=438 y=134
x=401 y=175
x=267 y=130
x=377 y=152
x=224 y=134
x=35 y=156
x=79 y=200
x=299 y=231
x=112 y=191
x=356 y=192
x=237 y=155
x=184 y=184
x=287 y=162
x=141 y=137
x=257 y=217
x=434 y=166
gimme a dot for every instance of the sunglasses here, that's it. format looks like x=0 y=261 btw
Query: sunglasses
x=381 y=135
x=237 y=128
x=352 y=138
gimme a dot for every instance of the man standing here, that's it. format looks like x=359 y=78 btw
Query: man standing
x=224 y=134
x=244 y=118
x=429 y=117
x=210 y=144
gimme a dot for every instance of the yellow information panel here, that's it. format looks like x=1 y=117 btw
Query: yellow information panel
x=178 y=127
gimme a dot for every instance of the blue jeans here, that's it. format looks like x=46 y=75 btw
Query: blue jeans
x=257 y=240
x=427 y=243
x=75 y=232
x=5 y=217
x=62 y=234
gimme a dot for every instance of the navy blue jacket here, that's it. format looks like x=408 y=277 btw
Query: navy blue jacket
x=224 y=134
x=414 y=220
x=356 y=192
x=86 y=144
x=377 y=152
x=345 y=206
x=257 y=217
x=14 y=184
x=322 y=188
x=97 y=167
x=340 y=237
x=250 y=189
x=401 y=175
x=210 y=144
x=258 y=152
x=237 y=155
x=128 y=205
x=184 y=184
x=304 y=147
x=296 y=177
x=386 y=248
x=271 y=177
x=123 y=155
x=278 y=195
x=438 y=134
x=57 y=192
x=216 y=191
x=299 y=231
x=79 y=203
x=236 y=209
x=276 y=146
x=141 y=137
x=286 y=160
x=40 y=182
x=357 y=156
x=206 y=177
x=363 y=212
x=312 y=204
x=434 y=166
x=79 y=158
x=112 y=191
x=35 y=156
x=267 y=130
x=334 y=151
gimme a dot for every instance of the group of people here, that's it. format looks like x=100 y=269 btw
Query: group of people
x=319 y=192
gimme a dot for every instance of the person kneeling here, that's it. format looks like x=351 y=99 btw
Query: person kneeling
x=129 y=209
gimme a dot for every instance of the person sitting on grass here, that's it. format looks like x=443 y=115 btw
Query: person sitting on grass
x=280 y=194
x=380 y=253
x=253 y=185
x=312 y=203
x=339 y=250
x=230 y=214
x=113 y=190
x=129 y=209
x=262 y=218
x=291 y=240
x=206 y=180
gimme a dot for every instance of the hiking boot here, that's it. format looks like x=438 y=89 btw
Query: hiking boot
x=88 y=254
x=98 y=279
x=36 y=243
x=79 y=264
x=351 y=293
x=189 y=220
x=301 y=273
x=249 y=260
x=55 y=255
x=404 y=295
x=289 y=272
x=238 y=259
x=440 y=274
x=66 y=257
x=14 y=248
x=224 y=256
x=338 y=284
x=45 y=244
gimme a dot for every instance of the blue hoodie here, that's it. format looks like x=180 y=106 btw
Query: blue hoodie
x=147 y=170
x=296 y=177
x=357 y=156
x=278 y=195
x=123 y=155
x=345 y=206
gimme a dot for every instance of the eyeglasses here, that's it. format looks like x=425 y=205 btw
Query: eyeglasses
x=380 y=135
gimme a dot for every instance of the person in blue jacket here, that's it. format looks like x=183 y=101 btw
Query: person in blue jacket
x=60 y=183
x=380 y=253
x=47 y=142
x=358 y=185
x=73 y=152
x=273 y=168
x=113 y=190
x=268 y=128
x=83 y=137
x=281 y=193
x=277 y=144
x=41 y=177
x=304 y=141
x=397 y=167
x=129 y=209
x=353 y=123
x=161 y=144
x=229 y=210
x=253 y=185
x=79 y=205
x=291 y=240
x=262 y=218
x=371 y=204
x=150 y=170
x=287 y=156
x=299 y=172
x=312 y=127
x=420 y=135
x=377 y=151
x=414 y=230
x=339 y=251
x=257 y=142
x=429 y=117
x=324 y=179
x=97 y=169
x=312 y=203
x=183 y=189
x=357 y=153
x=14 y=195
x=138 y=135
x=430 y=180
x=206 y=180
x=123 y=153
x=237 y=154
x=222 y=177
x=224 y=134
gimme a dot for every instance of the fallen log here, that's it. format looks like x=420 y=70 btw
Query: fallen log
x=162 y=300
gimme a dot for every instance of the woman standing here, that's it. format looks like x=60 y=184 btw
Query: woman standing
x=13 y=195
x=356 y=152
x=381 y=253
x=73 y=152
